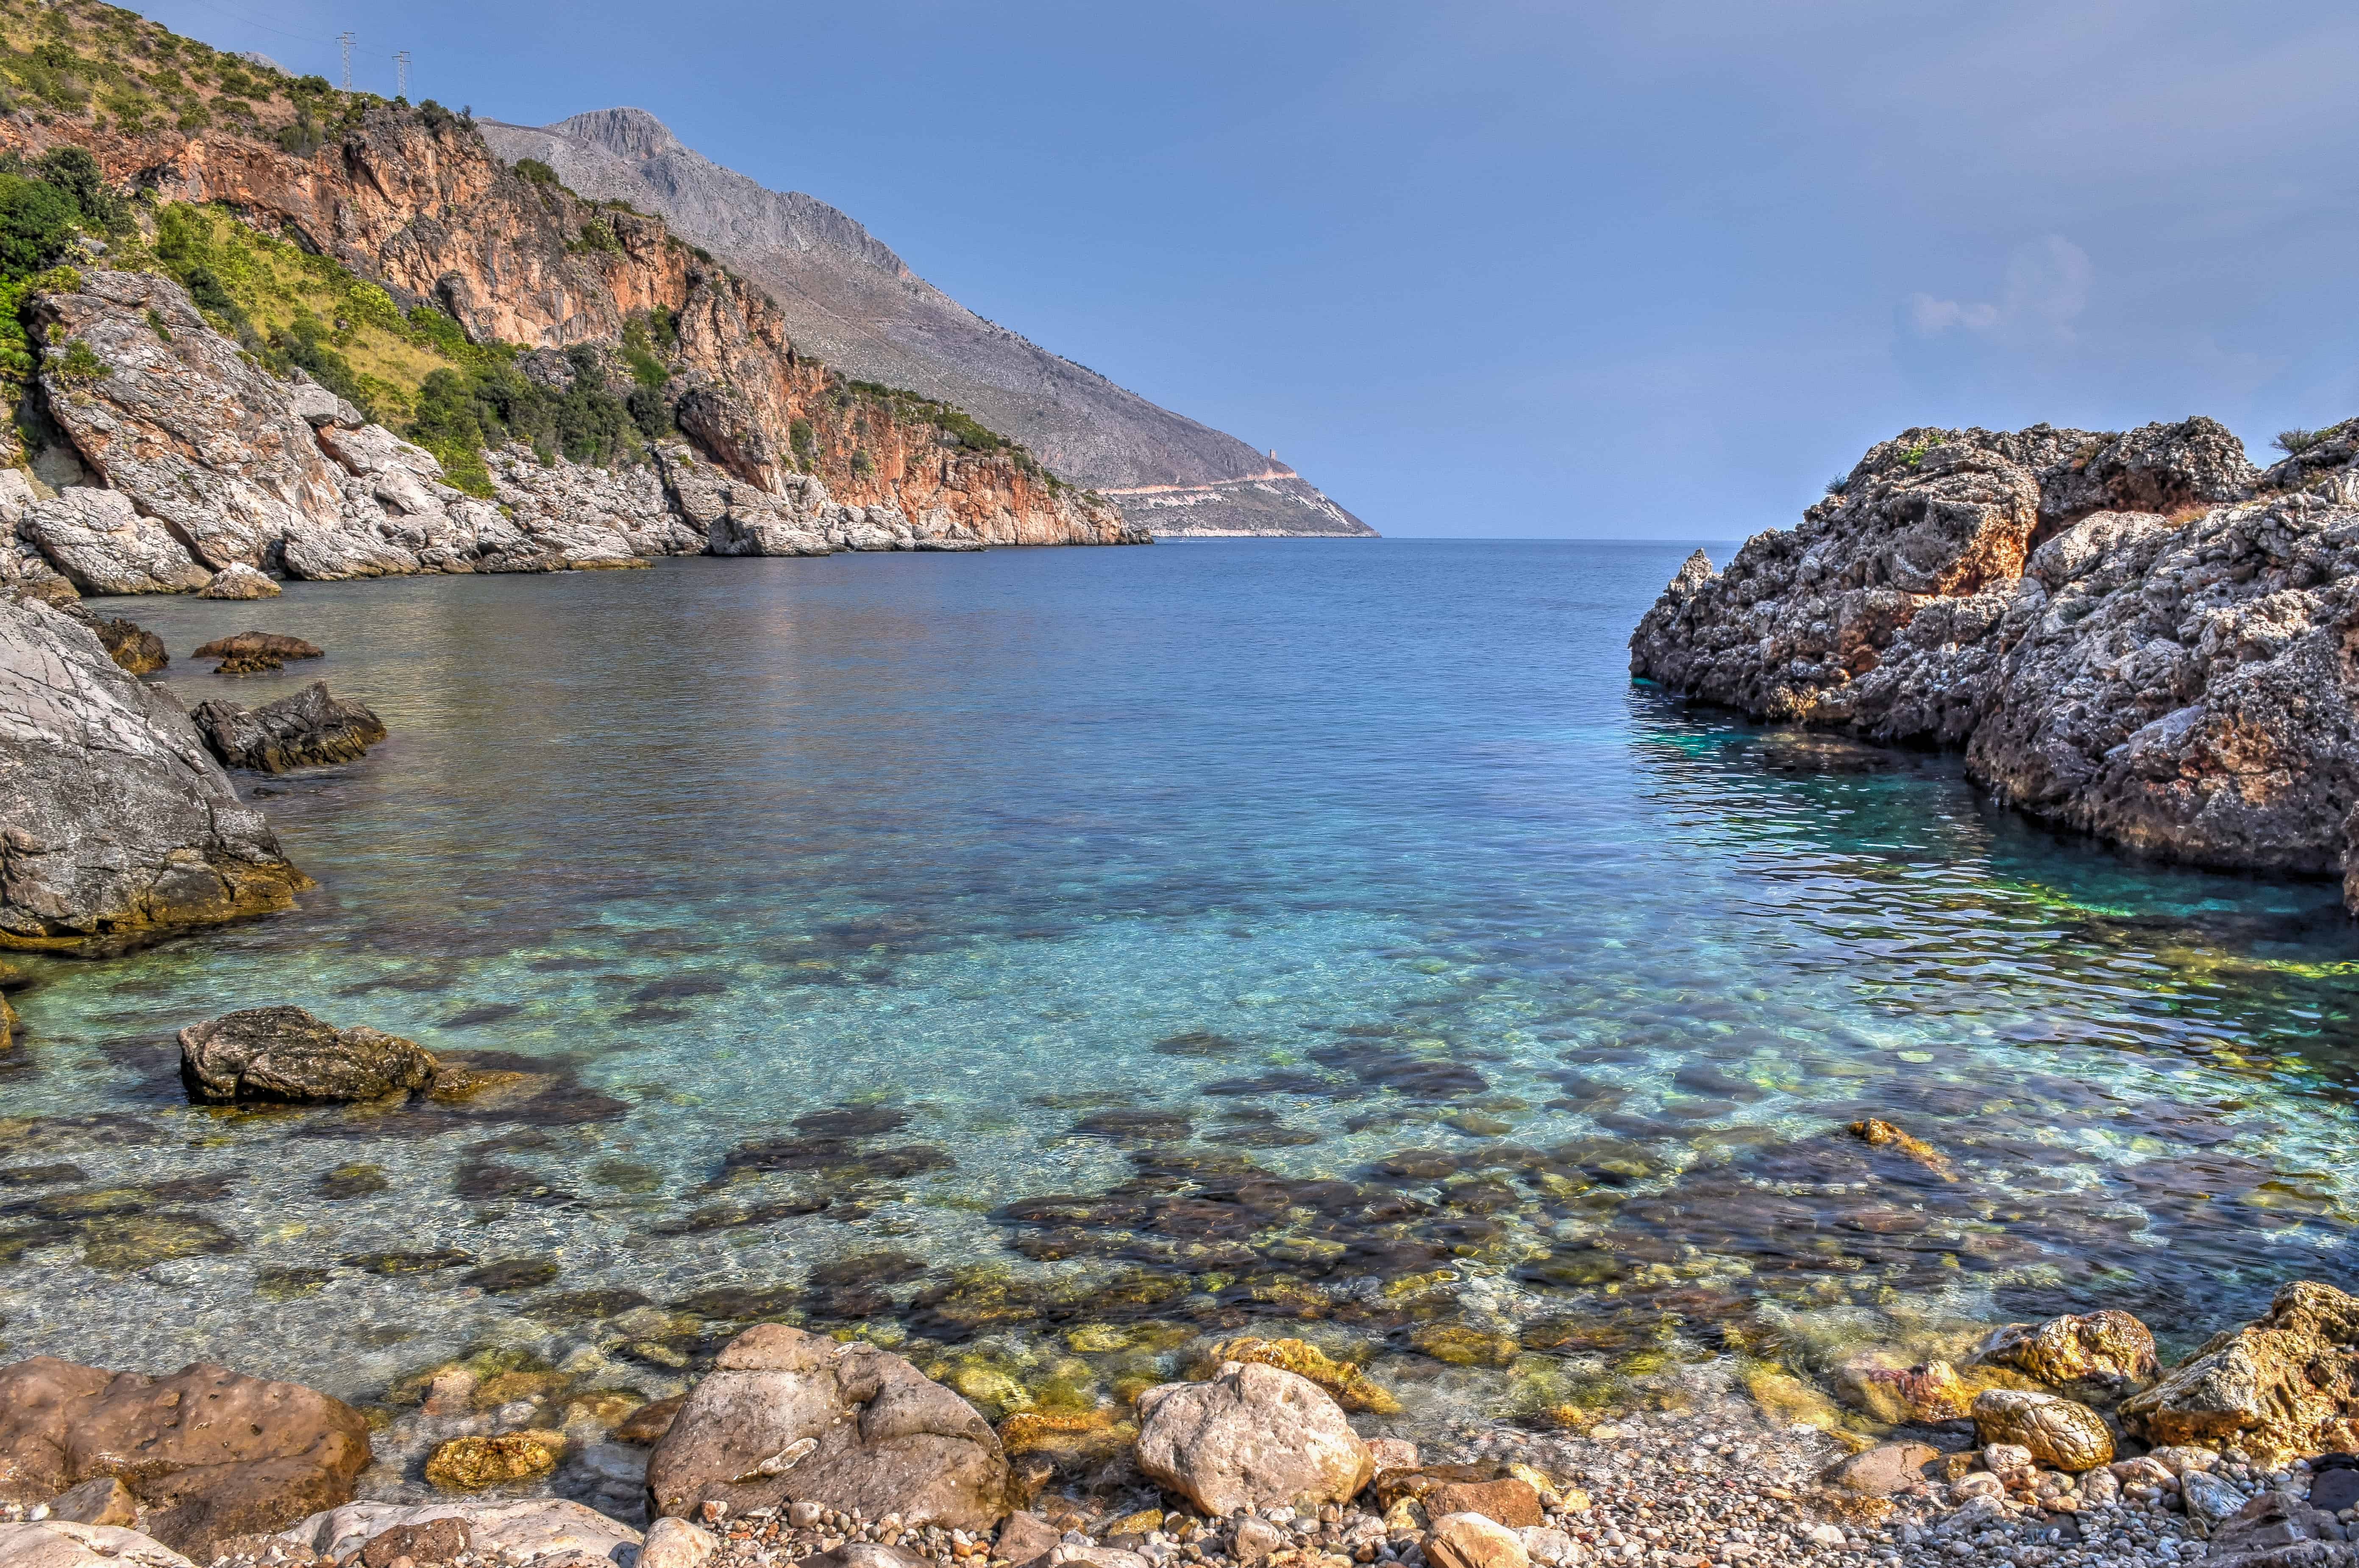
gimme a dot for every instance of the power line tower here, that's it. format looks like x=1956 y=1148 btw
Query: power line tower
x=401 y=74
x=345 y=40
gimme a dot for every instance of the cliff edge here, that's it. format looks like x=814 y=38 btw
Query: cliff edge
x=2137 y=634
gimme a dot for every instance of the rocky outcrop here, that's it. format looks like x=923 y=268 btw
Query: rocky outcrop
x=311 y=729
x=239 y=581
x=209 y=1452
x=127 y=643
x=266 y=645
x=2174 y=680
x=846 y=298
x=2058 y=1433
x=114 y=820
x=787 y=1416
x=2283 y=1386
x=286 y=1054
x=1252 y=1437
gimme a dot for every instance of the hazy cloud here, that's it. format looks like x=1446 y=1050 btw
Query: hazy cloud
x=2047 y=289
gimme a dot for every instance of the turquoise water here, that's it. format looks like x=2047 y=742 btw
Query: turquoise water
x=1331 y=930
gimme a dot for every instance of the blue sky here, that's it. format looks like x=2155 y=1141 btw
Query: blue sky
x=1646 y=270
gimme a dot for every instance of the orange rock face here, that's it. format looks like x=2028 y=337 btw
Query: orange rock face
x=428 y=212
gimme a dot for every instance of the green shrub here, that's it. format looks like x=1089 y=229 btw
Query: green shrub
x=2294 y=443
x=804 y=438
x=37 y=219
x=595 y=236
x=534 y=171
x=80 y=365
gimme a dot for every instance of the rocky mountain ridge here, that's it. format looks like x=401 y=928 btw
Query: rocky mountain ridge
x=2139 y=635
x=846 y=297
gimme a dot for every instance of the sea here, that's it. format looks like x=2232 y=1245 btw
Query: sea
x=1049 y=963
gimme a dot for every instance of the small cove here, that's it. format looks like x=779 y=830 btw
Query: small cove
x=1044 y=961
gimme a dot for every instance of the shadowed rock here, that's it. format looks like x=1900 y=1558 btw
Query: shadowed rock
x=309 y=729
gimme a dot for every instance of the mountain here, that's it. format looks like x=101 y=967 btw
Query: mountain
x=848 y=300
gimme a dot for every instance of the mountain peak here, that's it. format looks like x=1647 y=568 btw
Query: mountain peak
x=626 y=133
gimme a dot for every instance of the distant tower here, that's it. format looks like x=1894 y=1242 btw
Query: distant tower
x=401 y=74
x=346 y=41
x=1273 y=455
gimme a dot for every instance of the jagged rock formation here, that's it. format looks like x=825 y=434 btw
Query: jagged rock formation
x=2140 y=635
x=420 y=205
x=847 y=298
x=114 y=819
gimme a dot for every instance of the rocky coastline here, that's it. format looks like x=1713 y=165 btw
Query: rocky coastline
x=2138 y=636
x=2077 y=1449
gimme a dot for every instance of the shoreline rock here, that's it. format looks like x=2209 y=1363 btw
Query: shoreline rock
x=114 y=819
x=311 y=729
x=2133 y=635
x=286 y=1054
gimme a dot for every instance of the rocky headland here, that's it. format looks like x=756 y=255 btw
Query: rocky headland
x=2140 y=635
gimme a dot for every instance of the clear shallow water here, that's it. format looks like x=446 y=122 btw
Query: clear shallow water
x=1331 y=930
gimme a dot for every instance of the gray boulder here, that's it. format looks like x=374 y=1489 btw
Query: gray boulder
x=309 y=729
x=66 y=1544
x=1253 y=1437
x=793 y=1417
x=285 y=1053
x=98 y=542
x=549 y=1532
x=114 y=817
x=239 y=581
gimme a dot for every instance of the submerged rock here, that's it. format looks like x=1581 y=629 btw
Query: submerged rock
x=2280 y=1387
x=113 y=820
x=209 y=1452
x=285 y=1053
x=788 y=1416
x=1351 y=1387
x=473 y=1464
x=309 y=729
x=1253 y=1437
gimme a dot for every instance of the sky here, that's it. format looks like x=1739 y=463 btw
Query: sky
x=1613 y=270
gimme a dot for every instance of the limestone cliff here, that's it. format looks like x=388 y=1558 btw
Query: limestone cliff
x=2139 y=635
x=417 y=202
x=846 y=296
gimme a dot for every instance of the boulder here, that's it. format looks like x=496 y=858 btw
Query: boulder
x=787 y=1416
x=114 y=819
x=1025 y=1536
x=2279 y=1387
x=248 y=645
x=62 y=1544
x=238 y=580
x=127 y=643
x=549 y=1532
x=208 y=1451
x=2109 y=1348
x=1470 y=1540
x=2060 y=1434
x=1885 y=1469
x=309 y=729
x=286 y=1054
x=98 y=542
x=1507 y=1501
x=1254 y=1436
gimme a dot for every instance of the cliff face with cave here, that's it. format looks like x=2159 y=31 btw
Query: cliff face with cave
x=417 y=202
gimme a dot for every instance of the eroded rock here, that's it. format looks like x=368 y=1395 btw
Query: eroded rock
x=2109 y=1348
x=2058 y=1433
x=787 y=1416
x=238 y=580
x=63 y=1544
x=551 y=1532
x=2280 y=1387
